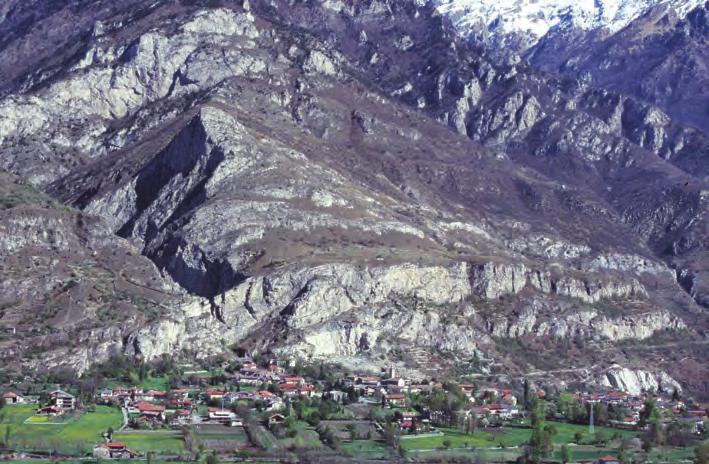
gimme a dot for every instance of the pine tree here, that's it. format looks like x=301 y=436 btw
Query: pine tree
x=536 y=441
x=527 y=395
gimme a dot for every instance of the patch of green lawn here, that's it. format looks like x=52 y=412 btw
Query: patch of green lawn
x=453 y=437
x=75 y=436
x=366 y=449
x=37 y=420
x=507 y=436
x=235 y=434
x=165 y=441
x=16 y=414
x=307 y=437
x=154 y=383
x=244 y=387
x=584 y=452
x=565 y=432
x=674 y=454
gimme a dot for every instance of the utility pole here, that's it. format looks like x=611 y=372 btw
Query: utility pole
x=590 y=420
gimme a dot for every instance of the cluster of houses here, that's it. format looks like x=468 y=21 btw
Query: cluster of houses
x=178 y=407
x=269 y=389
x=60 y=402
x=675 y=410
x=495 y=402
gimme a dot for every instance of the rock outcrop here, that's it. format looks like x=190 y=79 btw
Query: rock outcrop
x=638 y=381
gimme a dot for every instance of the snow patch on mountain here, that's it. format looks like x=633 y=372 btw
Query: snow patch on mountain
x=530 y=20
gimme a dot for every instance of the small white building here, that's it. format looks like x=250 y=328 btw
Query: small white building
x=11 y=397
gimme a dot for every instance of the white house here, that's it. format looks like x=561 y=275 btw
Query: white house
x=11 y=397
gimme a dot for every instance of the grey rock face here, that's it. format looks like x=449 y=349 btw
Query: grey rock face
x=70 y=288
x=637 y=381
x=301 y=191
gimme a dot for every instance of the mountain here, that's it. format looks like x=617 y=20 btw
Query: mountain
x=353 y=181
x=660 y=57
x=510 y=27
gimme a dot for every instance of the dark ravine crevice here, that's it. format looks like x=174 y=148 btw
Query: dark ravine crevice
x=217 y=308
x=289 y=309
x=688 y=281
x=202 y=276
x=179 y=158
x=187 y=156
x=247 y=302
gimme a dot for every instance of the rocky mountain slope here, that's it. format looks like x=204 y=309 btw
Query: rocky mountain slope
x=70 y=288
x=660 y=57
x=652 y=50
x=350 y=180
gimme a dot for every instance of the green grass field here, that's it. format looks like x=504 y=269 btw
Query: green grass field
x=75 y=436
x=366 y=449
x=41 y=420
x=161 y=441
x=151 y=383
x=236 y=434
x=508 y=436
x=154 y=383
x=264 y=439
x=307 y=437
x=565 y=432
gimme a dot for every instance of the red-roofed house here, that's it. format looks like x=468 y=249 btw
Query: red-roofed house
x=215 y=395
x=293 y=380
x=113 y=450
x=249 y=365
x=149 y=410
x=180 y=404
x=406 y=425
x=265 y=395
x=51 y=410
x=12 y=398
x=607 y=460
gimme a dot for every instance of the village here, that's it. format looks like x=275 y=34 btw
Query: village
x=276 y=410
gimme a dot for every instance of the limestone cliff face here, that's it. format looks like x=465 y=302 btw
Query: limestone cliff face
x=493 y=280
x=637 y=381
x=584 y=324
x=345 y=310
x=70 y=288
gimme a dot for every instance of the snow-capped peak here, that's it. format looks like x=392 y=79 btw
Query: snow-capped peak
x=533 y=19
